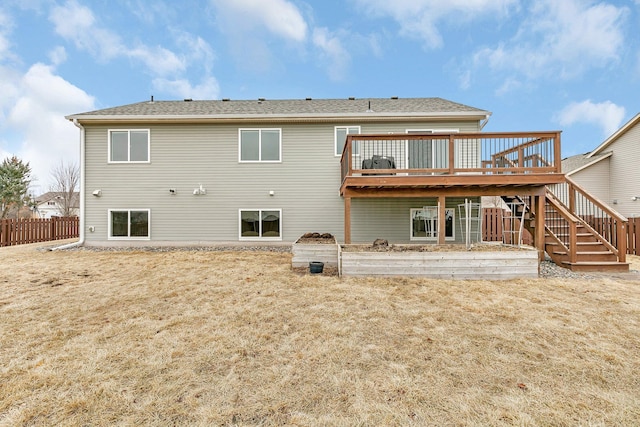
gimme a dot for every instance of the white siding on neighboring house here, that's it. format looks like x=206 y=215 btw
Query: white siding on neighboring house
x=625 y=172
x=595 y=179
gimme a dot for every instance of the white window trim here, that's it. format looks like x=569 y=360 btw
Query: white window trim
x=335 y=139
x=129 y=146
x=109 y=231
x=259 y=238
x=431 y=239
x=260 y=146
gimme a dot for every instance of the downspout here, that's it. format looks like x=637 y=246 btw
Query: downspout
x=486 y=120
x=80 y=241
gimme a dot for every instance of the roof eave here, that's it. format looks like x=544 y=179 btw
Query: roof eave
x=617 y=134
x=85 y=118
x=596 y=160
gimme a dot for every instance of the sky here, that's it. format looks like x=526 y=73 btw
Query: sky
x=569 y=65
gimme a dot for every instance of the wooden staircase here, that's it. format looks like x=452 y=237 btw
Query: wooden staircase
x=577 y=235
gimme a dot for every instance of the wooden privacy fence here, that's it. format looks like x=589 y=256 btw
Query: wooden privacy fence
x=494 y=224
x=633 y=236
x=33 y=230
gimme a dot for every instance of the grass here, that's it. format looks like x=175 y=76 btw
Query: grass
x=239 y=338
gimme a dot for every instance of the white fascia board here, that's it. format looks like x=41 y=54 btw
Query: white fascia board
x=274 y=117
x=617 y=134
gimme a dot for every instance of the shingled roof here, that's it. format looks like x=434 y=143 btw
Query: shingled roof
x=573 y=164
x=305 y=108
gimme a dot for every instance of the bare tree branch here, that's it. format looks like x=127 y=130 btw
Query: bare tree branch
x=66 y=179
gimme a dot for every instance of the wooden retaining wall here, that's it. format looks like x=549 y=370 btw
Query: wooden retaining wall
x=499 y=265
x=304 y=253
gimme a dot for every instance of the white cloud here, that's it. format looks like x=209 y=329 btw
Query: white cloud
x=250 y=24
x=37 y=118
x=5 y=29
x=182 y=88
x=77 y=23
x=333 y=51
x=279 y=17
x=560 y=38
x=58 y=55
x=606 y=115
x=420 y=18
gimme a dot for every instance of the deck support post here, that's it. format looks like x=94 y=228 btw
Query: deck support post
x=540 y=207
x=442 y=218
x=347 y=220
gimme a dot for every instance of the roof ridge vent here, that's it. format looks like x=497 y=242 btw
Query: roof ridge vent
x=351 y=98
x=188 y=100
x=225 y=99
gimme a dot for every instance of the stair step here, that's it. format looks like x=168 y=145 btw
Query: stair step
x=597 y=256
x=597 y=266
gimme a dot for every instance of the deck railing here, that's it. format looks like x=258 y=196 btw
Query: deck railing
x=451 y=153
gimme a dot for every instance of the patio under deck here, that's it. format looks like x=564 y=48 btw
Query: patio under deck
x=451 y=165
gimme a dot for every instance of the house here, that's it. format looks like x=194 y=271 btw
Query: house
x=611 y=172
x=265 y=171
x=53 y=203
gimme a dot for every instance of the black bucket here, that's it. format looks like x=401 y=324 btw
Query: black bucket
x=316 y=267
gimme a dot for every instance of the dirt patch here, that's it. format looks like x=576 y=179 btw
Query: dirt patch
x=432 y=248
x=315 y=238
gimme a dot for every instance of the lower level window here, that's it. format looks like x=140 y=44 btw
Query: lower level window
x=260 y=224
x=129 y=223
x=424 y=223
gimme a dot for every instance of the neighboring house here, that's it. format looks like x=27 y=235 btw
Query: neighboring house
x=52 y=204
x=194 y=172
x=611 y=172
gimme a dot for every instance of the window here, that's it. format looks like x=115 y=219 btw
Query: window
x=424 y=223
x=129 y=146
x=129 y=224
x=260 y=224
x=341 y=133
x=260 y=145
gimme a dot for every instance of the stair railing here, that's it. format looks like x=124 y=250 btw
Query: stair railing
x=562 y=226
x=606 y=224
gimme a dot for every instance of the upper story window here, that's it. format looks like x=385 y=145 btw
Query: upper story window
x=341 y=133
x=129 y=146
x=260 y=145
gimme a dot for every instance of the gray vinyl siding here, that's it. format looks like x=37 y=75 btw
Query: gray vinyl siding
x=625 y=172
x=390 y=219
x=183 y=156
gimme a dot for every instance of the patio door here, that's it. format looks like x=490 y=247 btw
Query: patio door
x=427 y=153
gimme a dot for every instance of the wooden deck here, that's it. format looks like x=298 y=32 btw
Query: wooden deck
x=470 y=164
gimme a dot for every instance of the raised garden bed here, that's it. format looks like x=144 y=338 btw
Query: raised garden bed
x=315 y=247
x=492 y=262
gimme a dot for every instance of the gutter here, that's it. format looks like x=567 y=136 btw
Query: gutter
x=80 y=241
x=292 y=117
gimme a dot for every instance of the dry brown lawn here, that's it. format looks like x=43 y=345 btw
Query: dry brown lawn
x=239 y=338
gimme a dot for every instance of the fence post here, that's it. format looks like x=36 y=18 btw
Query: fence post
x=4 y=232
